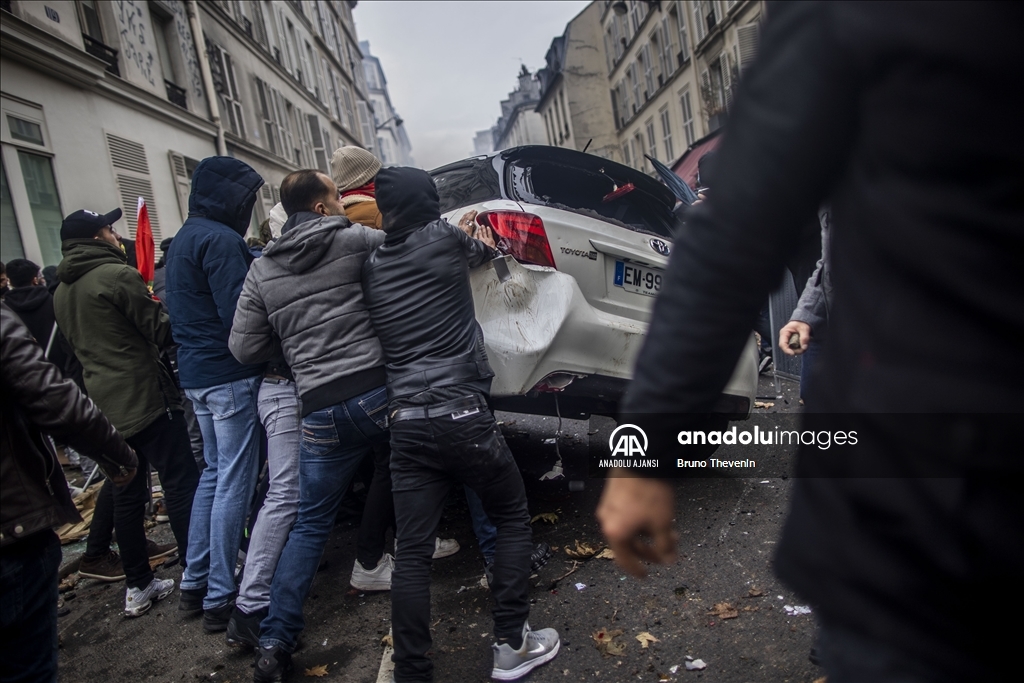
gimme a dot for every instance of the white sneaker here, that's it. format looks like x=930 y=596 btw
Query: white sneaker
x=376 y=579
x=538 y=648
x=137 y=602
x=444 y=547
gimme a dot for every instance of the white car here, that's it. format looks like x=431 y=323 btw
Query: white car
x=587 y=241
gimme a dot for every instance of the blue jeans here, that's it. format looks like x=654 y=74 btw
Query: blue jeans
x=279 y=412
x=229 y=421
x=486 y=533
x=334 y=441
x=28 y=609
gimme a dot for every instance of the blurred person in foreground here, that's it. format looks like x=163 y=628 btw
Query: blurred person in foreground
x=865 y=104
x=36 y=400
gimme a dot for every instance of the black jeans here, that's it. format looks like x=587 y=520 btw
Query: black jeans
x=101 y=528
x=428 y=456
x=378 y=512
x=164 y=444
x=28 y=609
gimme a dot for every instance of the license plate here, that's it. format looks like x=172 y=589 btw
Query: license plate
x=637 y=278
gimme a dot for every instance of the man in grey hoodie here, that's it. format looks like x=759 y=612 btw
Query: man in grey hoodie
x=304 y=298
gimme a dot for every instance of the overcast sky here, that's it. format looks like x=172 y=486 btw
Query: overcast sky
x=449 y=64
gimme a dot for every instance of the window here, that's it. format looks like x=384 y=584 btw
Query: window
x=666 y=134
x=91 y=20
x=223 y=70
x=365 y=127
x=617 y=38
x=637 y=11
x=665 y=55
x=182 y=167
x=698 y=21
x=634 y=82
x=626 y=156
x=638 y=150
x=679 y=16
x=645 y=58
x=652 y=145
x=10 y=234
x=41 y=187
x=688 y=131
x=350 y=121
x=265 y=105
x=131 y=171
x=320 y=144
x=565 y=117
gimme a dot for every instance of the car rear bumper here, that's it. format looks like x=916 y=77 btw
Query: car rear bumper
x=538 y=324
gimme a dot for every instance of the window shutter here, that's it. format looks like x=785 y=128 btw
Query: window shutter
x=748 y=37
x=276 y=190
x=726 y=79
x=131 y=170
x=364 y=124
x=266 y=201
x=181 y=183
x=319 y=150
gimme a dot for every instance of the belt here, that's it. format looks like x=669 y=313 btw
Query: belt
x=456 y=409
x=276 y=380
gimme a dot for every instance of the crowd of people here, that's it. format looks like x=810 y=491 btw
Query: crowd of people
x=343 y=334
x=352 y=338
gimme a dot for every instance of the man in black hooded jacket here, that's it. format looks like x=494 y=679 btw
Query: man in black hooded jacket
x=416 y=286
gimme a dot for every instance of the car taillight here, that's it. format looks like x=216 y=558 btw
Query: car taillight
x=520 y=235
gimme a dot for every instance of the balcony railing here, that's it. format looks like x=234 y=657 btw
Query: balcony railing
x=176 y=95
x=101 y=51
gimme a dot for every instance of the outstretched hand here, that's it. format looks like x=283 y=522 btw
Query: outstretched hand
x=636 y=518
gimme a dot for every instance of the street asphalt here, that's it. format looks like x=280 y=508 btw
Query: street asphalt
x=718 y=603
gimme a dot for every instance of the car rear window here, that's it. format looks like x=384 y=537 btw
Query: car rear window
x=568 y=187
x=466 y=183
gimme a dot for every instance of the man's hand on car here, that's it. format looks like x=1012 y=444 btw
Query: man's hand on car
x=636 y=518
x=794 y=327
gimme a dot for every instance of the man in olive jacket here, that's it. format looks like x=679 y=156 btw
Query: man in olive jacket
x=117 y=330
x=35 y=400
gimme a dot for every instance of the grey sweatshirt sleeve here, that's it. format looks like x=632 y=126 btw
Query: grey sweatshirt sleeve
x=252 y=339
x=812 y=308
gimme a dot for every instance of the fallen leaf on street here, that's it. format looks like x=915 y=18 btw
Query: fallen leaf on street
x=823 y=679
x=724 y=610
x=755 y=593
x=750 y=608
x=388 y=641
x=606 y=643
x=316 y=671
x=549 y=517
x=606 y=554
x=582 y=551
x=646 y=639
x=764 y=404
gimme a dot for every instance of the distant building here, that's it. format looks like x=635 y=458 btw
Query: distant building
x=672 y=69
x=483 y=143
x=104 y=102
x=574 y=101
x=519 y=123
x=392 y=144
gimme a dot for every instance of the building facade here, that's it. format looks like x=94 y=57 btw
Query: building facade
x=391 y=143
x=519 y=123
x=672 y=69
x=574 y=101
x=104 y=102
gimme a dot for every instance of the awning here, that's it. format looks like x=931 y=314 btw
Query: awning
x=686 y=167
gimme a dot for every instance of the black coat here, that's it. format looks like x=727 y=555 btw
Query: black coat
x=906 y=116
x=34 y=305
x=35 y=400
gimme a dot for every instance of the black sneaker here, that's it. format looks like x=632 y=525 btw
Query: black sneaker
x=191 y=601
x=765 y=364
x=105 y=568
x=244 y=629
x=540 y=556
x=272 y=665
x=216 y=619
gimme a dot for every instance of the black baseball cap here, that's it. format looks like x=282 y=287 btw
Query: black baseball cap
x=84 y=224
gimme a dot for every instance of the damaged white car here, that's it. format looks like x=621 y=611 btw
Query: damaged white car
x=587 y=241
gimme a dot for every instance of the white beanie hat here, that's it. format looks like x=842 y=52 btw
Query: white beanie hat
x=277 y=219
x=353 y=167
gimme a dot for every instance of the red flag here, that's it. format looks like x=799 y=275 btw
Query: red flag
x=144 y=248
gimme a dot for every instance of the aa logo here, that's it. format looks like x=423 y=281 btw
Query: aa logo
x=629 y=441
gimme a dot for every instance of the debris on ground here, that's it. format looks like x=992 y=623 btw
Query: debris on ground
x=754 y=593
x=68 y=583
x=582 y=551
x=724 y=610
x=580 y=586
x=764 y=404
x=86 y=504
x=796 y=610
x=646 y=639
x=674 y=669
x=316 y=671
x=388 y=641
x=605 y=641
x=461 y=590
x=554 y=583
x=606 y=554
x=547 y=517
x=696 y=665
x=550 y=442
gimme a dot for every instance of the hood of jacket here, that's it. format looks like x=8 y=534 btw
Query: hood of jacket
x=224 y=190
x=81 y=256
x=26 y=299
x=303 y=244
x=407 y=197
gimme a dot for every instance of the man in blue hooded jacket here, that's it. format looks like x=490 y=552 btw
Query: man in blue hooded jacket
x=206 y=267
